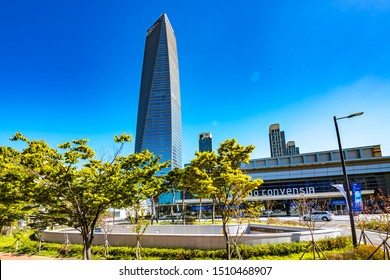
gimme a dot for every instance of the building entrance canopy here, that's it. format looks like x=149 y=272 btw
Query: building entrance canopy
x=329 y=195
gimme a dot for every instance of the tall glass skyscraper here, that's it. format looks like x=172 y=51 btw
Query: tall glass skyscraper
x=159 y=124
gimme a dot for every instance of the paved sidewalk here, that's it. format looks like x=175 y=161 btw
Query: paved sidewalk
x=11 y=256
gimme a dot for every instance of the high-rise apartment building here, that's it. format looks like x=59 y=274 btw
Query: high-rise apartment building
x=159 y=123
x=205 y=142
x=277 y=142
x=291 y=149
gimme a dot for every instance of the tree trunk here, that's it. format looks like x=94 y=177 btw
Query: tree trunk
x=17 y=245
x=138 y=250
x=200 y=209
x=173 y=202
x=153 y=215
x=227 y=239
x=106 y=244
x=213 y=212
x=106 y=250
x=183 y=210
x=87 y=242
x=87 y=253
x=40 y=245
x=156 y=204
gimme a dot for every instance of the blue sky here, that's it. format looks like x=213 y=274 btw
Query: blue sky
x=72 y=69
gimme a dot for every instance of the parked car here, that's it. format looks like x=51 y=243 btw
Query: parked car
x=318 y=216
x=377 y=211
x=98 y=229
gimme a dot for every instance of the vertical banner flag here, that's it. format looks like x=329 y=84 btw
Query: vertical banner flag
x=357 y=200
x=340 y=188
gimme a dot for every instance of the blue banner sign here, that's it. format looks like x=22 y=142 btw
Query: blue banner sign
x=357 y=199
x=204 y=208
x=337 y=202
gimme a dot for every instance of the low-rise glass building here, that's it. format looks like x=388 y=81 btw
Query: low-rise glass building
x=313 y=175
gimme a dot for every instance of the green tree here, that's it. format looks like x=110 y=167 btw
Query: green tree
x=75 y=186
x=219 y=175
x=173 y=182
x=138 y=210
x=106 y=223
x=305 y=209
x=13 y=206
x=199 y=177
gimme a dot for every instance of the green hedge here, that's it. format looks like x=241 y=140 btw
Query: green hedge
x=378 y=224
x=285 y=249
x=272 y=251
x=246 y=251
x=362 y=252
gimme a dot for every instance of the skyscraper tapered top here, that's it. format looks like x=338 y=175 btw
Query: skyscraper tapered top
x=159 y=124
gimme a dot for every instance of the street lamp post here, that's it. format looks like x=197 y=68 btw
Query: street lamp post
x=346 y=182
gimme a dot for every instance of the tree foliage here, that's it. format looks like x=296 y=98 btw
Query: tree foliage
x=68 y=185
x=219 y=176
x=12 y=204
x=76 y=188
x=173 y=182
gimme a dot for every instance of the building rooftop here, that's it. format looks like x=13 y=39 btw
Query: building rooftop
x=358 y=153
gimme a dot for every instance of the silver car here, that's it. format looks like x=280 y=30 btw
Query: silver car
x=318 y=216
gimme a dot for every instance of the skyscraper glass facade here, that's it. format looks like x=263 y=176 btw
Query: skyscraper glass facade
x=205 y=142
x=159 y=124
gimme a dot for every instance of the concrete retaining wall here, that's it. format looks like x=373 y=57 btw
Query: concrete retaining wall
x=182 y=229
x=190 y=241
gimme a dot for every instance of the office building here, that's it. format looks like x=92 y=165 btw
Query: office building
x=159 y=122
x=277 y=142
x=205 y=142
x=312 y=176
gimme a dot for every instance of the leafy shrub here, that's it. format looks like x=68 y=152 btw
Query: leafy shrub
x=291 y=223
x=328 y=244
x=121 y=253
x=73 y=250
x=190 y=220
x=262 y=251
x=274 y=221
x=362 y=252
x=279 y=249
x=378 y=224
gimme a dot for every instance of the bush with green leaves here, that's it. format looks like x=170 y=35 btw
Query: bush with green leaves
x=362 y=252
x=262 y=251
x=328 y=244
x=378 y=224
